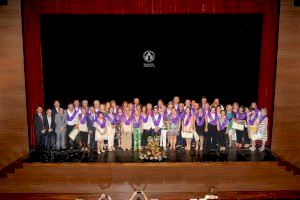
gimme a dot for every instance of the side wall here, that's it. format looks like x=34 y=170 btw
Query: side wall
x=13 y=125
x=286 y=121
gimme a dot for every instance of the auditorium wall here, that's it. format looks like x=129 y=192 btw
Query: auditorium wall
x=286 y=124
x=13 y=125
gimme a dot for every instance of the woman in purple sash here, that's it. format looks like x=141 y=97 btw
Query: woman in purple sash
x=262 y=129
x=252 y=123
x=199 y=126
x=100 y=135
x=83 y=129
x=241 y=118
x=188 y=131
x=173 y=128
x=149 y=109
x=222 y=127
x=119 y=118
x=111 y=124
x=127 y=130
x=146 y=126
x=211 y=128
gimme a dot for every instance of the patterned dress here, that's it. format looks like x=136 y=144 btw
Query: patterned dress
x=262 y=129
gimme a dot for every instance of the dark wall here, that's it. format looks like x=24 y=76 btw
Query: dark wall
x=101 y=57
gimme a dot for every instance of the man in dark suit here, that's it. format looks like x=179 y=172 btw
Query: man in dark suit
x=39 y=128
x=92 y=116
x=56 y=106
x=49 y=125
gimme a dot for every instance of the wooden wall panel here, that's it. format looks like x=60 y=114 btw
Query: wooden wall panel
x=13 y=124
x=286 y=121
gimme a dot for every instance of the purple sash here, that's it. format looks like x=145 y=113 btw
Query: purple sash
x=137 y=123
x=187 y=121
x=103 y=124
x=240 y=116
x=212 y=121
x=127 y=121
x=119 y=118
x=262 y=118
x=200 y=122
x=145 y=119
x=82 y=120
x=111 y=119
x=156 y=122
x=181 y=114
x=72 y=116
x=175 y=119
x=223 y=124
x=252 y=120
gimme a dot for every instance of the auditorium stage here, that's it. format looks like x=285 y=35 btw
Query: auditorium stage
x=180 y=155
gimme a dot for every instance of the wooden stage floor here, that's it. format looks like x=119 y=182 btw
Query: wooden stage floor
x=168 y=180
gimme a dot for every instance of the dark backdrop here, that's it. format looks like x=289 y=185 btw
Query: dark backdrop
x=101 y=57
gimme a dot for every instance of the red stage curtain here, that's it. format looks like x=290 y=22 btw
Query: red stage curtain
x=32 y=44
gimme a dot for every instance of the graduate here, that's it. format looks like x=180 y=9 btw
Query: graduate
x=230 y=130
x=222 y=127
x=146 y=125
x=72 y=120
x=111 y=128
x=100 y=135
x=252 y=123
x=83 y=129
x=241 y=117
x=127 y=130
x=173 y=128
x=188 y=125
x=262 y=129
x=118 y=127
x=156 y=122
x=137 y=122
x=199 y=127
x=164 y=129
x=211 y=128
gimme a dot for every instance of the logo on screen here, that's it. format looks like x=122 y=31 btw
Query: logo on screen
x=149 y=56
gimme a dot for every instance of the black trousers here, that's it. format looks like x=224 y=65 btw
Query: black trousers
x=222 y=137
x=242 y=134
x=40 y=139
x=212 y=136
x=145 y=135
x=84 y=137
x=69 y=142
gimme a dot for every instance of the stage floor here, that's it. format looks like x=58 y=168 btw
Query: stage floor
x=179 y=155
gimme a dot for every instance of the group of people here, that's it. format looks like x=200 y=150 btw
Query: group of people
x=129 y=126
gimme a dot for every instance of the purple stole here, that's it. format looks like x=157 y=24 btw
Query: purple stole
x=223 y=124
x=188 y=119
x=93 y=118
x=212 y=121
x=251 y=120
x=240 y=116
x=101 y=124
x=262 y=118
x=145 y=119
x=127 y=121
x=112 y=120
x=82 y=120
x=119 y=118
x=175 y=119
x=181 y=114
x=72 y=116
x=137 y=123
x=156 y=122
x=198 y=121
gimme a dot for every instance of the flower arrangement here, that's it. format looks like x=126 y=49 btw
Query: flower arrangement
x=153 y=152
